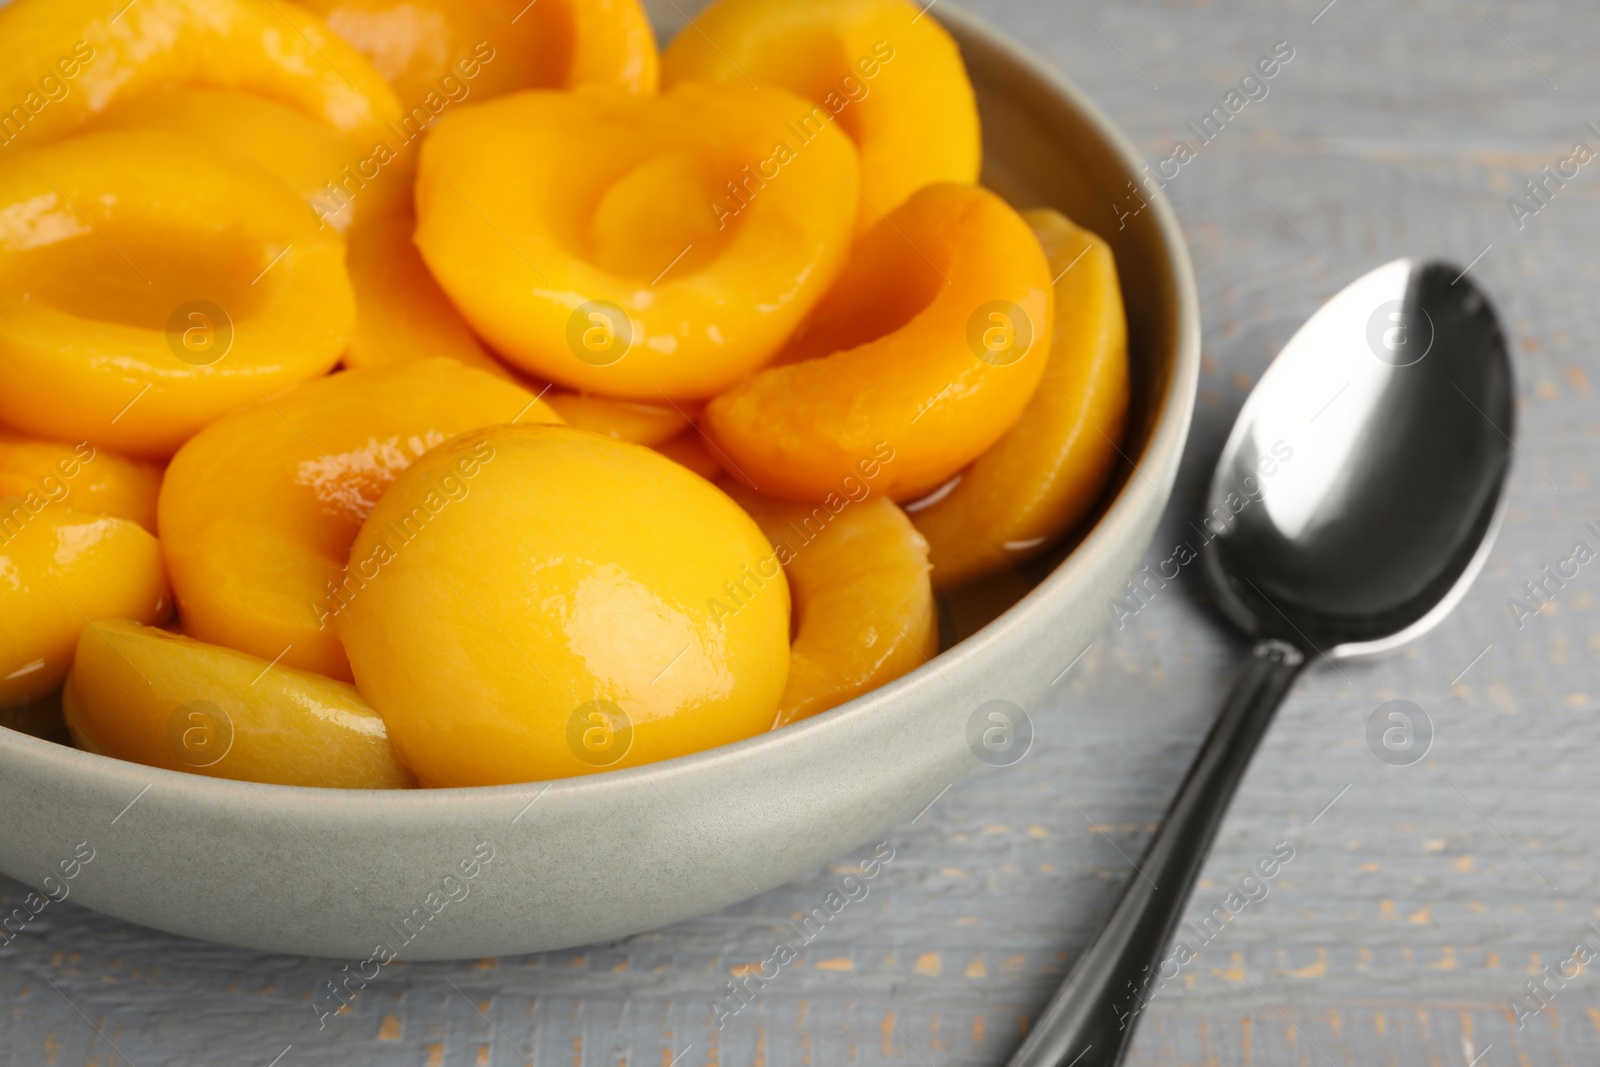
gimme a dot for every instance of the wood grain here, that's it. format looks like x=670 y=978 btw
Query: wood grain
x=1414 y=907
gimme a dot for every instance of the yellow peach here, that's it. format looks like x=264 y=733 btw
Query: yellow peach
x=863 y=605
x=259 y=510
x=106 y=53
x=310 y=157
x=401 y=313
x=891 y=78
x=493 y=47
x=142 y=694
x=145 y=290
x=81 y=477
x=607 y=270
x=930 y=344
x=60 y=570
x=1043 y=476
x=590 y=604
x=624 y=420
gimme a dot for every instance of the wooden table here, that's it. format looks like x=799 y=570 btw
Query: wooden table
x=1419 y=898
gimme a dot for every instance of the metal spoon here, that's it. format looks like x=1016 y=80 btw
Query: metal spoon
x=1356 y=500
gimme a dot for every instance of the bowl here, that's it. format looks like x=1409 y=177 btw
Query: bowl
x=466 y=873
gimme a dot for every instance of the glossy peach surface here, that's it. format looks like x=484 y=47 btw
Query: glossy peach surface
x=81 y=477
x=891 y=79
x=606 y=271
x=446 y=50
x=401 y=313
x=59 y=570
x=148 y=696
x=259 y=510
x=146 y=290
x=863 y=605
x=1042 y=477
x=311 y=157
x=510 y=641
x=930 y=344
x=109 y=52
x=633 y=421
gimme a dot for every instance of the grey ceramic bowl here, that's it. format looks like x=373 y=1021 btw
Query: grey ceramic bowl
x=335 y=873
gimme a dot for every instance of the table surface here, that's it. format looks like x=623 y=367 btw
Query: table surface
x=1413 y=907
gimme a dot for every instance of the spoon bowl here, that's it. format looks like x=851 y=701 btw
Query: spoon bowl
x=1386 y=423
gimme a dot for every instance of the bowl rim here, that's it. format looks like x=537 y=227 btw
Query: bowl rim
x=1167 y=435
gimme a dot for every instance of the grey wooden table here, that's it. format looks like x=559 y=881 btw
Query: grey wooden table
x=1415 y=905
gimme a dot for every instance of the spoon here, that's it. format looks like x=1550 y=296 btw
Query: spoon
x=1356 y=500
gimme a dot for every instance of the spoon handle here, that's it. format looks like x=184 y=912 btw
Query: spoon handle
x=1090 y=1020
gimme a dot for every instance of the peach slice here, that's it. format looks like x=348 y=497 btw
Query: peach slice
x=590 y=605
x=607 y=271
x=310 y=157
x=144 y=695
x=863 y=605
x=108 y=52
x=633 y=421
x=259 y=510
x=454 y=50
x=888 y=76
x=60 y=570
x=1042 y=477
x=146 y=289
x=927 y=349
x=81 y=477
x=401 y=313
